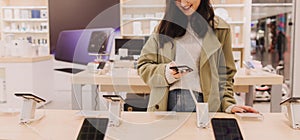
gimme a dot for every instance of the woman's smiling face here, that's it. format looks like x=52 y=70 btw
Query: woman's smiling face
x=188 y=7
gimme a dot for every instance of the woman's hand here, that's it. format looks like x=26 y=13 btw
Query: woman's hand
x=174 y=73
x=243 y=109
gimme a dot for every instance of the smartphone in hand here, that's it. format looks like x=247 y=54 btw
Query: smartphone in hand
x=181 y=69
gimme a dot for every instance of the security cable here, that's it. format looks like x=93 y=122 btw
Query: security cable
x=97 y=96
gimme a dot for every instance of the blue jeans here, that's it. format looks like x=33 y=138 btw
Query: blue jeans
x=180 y=100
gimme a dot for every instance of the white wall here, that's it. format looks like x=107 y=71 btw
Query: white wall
x=295 y=65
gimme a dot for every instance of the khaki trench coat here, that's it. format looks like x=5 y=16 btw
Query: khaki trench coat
x=216 y=69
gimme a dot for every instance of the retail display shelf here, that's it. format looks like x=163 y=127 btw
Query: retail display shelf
x=142 y=6
x=228 y=5
x=31 y=19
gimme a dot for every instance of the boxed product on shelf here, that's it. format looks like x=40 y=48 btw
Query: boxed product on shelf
x=16 y=13
x=35 y=13
x=8 y=13
x=137 y=28
x=25 y=14
x=44 y=14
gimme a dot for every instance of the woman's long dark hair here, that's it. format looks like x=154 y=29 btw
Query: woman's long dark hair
x=175 y=21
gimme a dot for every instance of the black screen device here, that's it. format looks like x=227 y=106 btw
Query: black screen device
x=101 y=65
x=70 y=70
x=226 y=129
x=93 y=129
x=181 y=69
x=134 y=46
x=98 y=42
x=113 y=97
x=29 y=96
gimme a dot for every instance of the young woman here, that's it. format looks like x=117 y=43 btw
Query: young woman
x=190 y=34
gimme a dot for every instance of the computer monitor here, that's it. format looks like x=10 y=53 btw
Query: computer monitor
x=73 y=45
x=134 y=46
x=80 y=14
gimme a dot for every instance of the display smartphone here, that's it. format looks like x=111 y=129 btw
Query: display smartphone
x=101 y=65
x=27 y=95
x=248 y=65
x=113 y=98
x=226 y=129
x=93 y=129
x=181 y=69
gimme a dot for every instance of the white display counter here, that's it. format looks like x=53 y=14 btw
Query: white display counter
x=25 y=74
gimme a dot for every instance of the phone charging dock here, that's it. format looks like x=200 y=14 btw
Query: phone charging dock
x=115 y=108
x=293 y=110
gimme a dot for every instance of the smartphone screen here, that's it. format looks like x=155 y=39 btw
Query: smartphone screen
x=226 y=129
x=93 y=129
x=113 y=97
x=181 y=69
x=29 y=96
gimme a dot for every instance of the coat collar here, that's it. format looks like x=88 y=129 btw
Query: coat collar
x=210 y=42
x=220 y=23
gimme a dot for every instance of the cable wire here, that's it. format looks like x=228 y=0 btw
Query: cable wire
x=97 y=96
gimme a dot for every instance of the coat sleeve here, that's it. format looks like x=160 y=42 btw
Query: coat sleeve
x=227 y=71
x=149 y=68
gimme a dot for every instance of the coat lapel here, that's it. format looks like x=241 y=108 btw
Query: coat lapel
x=168 y=53
x=210 y=45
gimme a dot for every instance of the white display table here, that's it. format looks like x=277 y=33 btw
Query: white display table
x=24 y=74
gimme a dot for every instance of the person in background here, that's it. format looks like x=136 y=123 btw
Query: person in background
x=280 y=46
x=190 y=34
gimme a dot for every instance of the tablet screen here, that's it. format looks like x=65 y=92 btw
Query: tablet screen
x=93 y=129
x=226 y=129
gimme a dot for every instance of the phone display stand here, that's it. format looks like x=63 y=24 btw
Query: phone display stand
x=98 y=47
x=29 y=106
x=202 y=115
x=250 y=116
x=115 y=108
x=293 y=110
x=201 y=112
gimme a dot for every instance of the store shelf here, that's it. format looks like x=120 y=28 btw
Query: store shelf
x=139 y=17
x=235 y=22
x=142 y=6
x=25 y=32
x=238 y=15
x=25 y=20
x=271 y=4
x=24 y=7
x=136 y=22
x=228 y=5
x=143 y=18
x=237 y=45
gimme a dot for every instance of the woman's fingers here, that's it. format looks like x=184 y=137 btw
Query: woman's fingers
x=243 y=109
x=249 y=109
x=237 y=109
